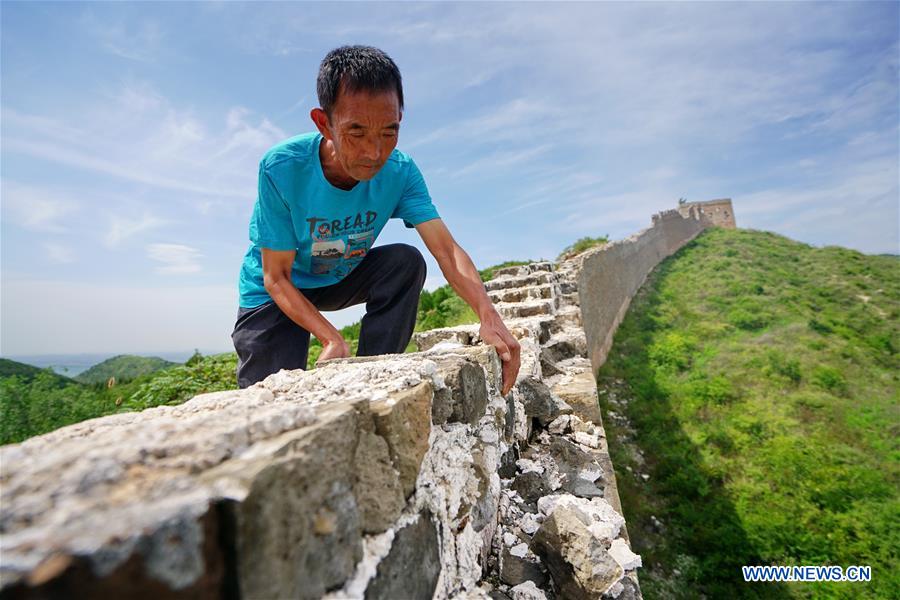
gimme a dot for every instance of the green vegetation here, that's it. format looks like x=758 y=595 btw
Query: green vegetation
x=488 y=274
x=124 y=368
x=443 y=308
x=27 y=373
x=760 y=381
x=585 y=243
x=32 y=407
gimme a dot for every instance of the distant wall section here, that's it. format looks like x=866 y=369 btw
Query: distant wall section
x=715 y=212
x=611 y=275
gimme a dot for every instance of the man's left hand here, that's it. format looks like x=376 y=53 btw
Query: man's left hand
x=494 y=333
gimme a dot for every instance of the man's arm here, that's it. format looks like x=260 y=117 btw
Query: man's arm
x=462 y=276
x=277 y=281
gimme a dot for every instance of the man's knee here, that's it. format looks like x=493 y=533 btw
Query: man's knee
x=410 y=259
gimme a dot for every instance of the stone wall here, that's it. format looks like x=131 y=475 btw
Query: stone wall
x=610 y=275
x=401 y=476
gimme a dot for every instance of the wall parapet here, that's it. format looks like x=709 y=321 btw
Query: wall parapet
x=610 y=276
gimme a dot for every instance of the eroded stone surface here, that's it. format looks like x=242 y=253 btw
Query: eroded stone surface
x=404 y=420
x=411 y=568
x=465 y=396
x=378 y=491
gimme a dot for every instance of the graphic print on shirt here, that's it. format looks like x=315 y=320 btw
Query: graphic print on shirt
x=338 y=245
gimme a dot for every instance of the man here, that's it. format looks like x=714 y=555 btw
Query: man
x=323 y=199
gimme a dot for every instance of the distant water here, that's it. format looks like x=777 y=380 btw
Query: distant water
x=71 y=365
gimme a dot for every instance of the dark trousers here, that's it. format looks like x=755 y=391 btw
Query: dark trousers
x=389 y=280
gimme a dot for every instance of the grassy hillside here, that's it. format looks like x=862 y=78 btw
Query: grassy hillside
x=751 y=403
x=123 y=367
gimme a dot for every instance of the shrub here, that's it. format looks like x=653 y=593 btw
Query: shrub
x=711 y=390
x=488 y=273
x=581 y=245
x=178 y=384
x=674 y=350
x=786 y=367
x=830 y=378
x=820 y=327
x=749 y=321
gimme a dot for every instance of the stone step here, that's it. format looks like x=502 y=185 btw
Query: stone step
x=522 y=294
x=571 y=299
x=526 y=309
x=538 y=327
x=521 y=270
x=530 y=280
x=568 y=287
x=465 y=335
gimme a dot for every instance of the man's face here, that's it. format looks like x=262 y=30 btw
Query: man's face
x=363 y=128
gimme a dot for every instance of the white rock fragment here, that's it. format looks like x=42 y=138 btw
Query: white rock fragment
x=519 y=550
x=489 y=435
x=526 y=466
x=605 y=522
x=615 y=590
x=559 y=425
x=445 y=346
x=527 y=591
x=509 y=539
x=623 y=555
x=529 y=523
x=590 y=474
x=591 y=441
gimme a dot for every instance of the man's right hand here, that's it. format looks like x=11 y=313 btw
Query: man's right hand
x=334 y=348
x=277 y=265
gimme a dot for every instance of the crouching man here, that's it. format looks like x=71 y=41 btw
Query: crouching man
x=323 y=199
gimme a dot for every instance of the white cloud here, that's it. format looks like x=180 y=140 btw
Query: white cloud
x=59 y=253
x=135 y=134
x=177 y=258
x=37 y=209
x=504 y=159
x=517 y=119
x=140 y=42
x=124 y=228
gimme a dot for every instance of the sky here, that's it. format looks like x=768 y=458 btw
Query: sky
x=130 y=137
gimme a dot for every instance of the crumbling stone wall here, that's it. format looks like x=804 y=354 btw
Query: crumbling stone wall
x=402 y=476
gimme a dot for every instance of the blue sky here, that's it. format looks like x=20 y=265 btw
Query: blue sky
x=131 y=135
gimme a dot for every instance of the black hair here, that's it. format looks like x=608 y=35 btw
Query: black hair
x=356 y=68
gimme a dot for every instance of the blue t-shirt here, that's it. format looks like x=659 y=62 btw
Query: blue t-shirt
x=331 y=229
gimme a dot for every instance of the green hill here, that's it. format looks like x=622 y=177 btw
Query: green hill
x=33 y=407
x=751 y=402
x=10 y=368
x=123 y=367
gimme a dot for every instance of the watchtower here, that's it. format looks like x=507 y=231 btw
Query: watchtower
x=718 y=212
